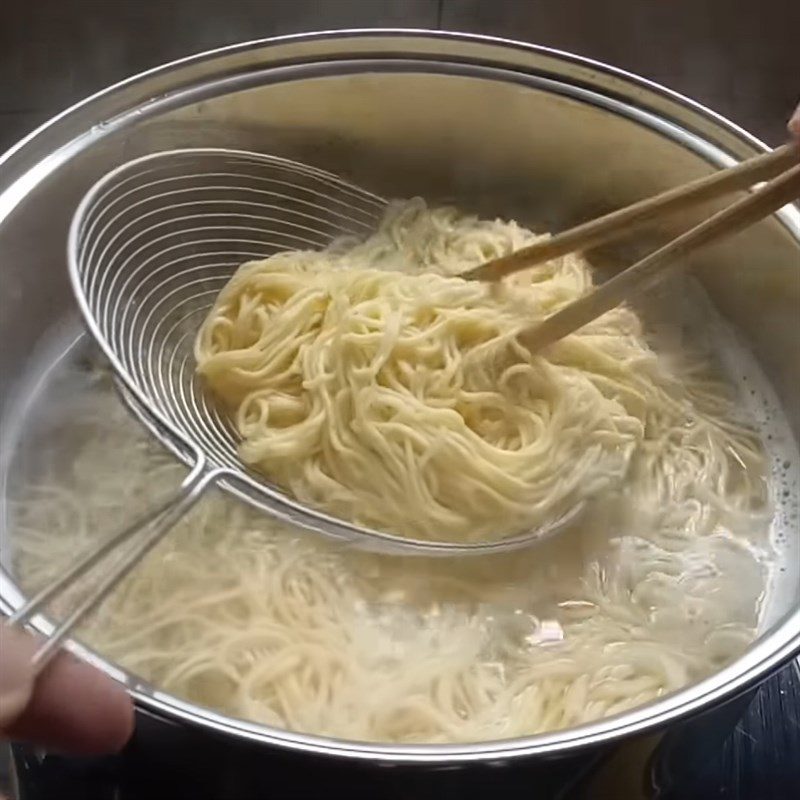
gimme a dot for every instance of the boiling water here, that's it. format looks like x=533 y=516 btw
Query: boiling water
x=582 y=610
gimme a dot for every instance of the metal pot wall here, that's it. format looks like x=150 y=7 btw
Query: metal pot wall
x=501 y=127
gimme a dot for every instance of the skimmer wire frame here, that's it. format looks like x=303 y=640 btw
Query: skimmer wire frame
x=151 y=246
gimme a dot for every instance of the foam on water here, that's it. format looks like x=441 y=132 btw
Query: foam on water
x=699 y=605
x=780 y=552
x=59 y=384
x=762 y=406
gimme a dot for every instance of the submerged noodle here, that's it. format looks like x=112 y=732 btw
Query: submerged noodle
x=656 y=586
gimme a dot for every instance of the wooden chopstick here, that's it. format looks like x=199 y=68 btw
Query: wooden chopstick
x=626 y=220
x=757 y=205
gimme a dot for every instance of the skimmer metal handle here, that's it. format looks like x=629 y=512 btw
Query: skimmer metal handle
x=153 y=525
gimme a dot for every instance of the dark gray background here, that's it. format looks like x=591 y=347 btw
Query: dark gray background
x=740 y=57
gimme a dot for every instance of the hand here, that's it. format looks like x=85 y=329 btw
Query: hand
x=71 y=707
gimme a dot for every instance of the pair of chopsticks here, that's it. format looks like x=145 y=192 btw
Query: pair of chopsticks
x=781 y=168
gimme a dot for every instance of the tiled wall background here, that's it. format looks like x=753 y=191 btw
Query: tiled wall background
x=741 y=57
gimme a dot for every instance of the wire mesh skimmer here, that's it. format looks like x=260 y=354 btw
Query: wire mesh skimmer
x=150 y=247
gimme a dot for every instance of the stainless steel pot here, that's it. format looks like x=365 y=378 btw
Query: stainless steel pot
x=502 y=127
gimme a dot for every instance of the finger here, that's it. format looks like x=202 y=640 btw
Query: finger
x=794 y=123
x=16 y=677
x=75 y=709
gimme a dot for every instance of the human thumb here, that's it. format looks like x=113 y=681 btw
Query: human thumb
x=16 y=673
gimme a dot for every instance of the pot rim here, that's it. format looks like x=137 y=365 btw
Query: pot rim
x=765 y=655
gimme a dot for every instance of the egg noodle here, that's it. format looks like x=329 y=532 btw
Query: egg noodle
x=367 y=382
x=404 y=402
